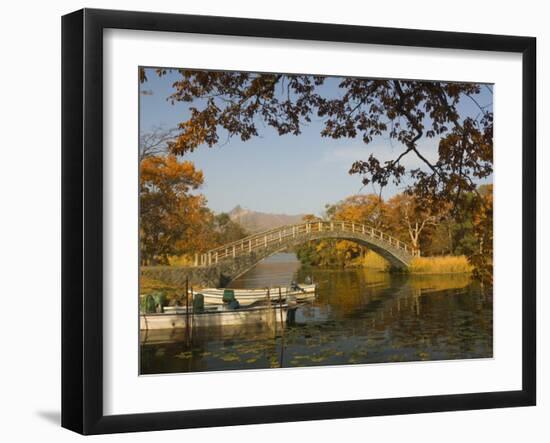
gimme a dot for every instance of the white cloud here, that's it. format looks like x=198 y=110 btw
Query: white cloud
x=346 y=155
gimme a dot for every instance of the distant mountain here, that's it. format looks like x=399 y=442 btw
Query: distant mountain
x=254 y=221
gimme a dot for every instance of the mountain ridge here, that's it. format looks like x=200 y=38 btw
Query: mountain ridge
x=256 y=221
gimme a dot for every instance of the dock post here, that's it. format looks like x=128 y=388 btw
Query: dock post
x=187 y=310
x=192 y=313
x=282 y=327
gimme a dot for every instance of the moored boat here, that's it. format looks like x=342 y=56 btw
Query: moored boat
x=176 y=317
x=246 y=297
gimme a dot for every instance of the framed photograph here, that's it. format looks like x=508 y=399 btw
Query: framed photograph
x=269 y=221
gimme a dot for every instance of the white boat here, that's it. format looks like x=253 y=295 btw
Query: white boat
x=178 y=318
x=246 y=297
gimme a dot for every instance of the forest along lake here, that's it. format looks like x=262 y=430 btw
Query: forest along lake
x=359 y=316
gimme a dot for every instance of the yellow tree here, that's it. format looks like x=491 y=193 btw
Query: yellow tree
x=483 y=230
x=368 y=209
x=171 y=217
x=316 y=253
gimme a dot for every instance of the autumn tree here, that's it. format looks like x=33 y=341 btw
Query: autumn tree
x=367 y=209
x=171 y=217
x=318 y=253
x=226 y=230
x=410 y=217
x=483 y=228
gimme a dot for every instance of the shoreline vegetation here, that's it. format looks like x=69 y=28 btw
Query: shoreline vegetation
x=446 y=264
x=426 y=280
x=371 y=261
x=434 y=265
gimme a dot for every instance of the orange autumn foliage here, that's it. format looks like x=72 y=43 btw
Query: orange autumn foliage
x=172 y=217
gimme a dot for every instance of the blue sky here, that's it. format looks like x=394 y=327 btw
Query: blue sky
x=279 y=174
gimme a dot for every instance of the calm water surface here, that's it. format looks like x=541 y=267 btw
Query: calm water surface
x=359 y=316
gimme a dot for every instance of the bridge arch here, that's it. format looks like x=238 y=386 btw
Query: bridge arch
x=234 y=259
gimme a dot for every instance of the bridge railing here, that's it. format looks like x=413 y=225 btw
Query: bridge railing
x=279 y=235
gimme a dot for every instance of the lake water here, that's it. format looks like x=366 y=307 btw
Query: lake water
x=359 y=317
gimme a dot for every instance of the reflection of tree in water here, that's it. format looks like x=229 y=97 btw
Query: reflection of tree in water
x=423 y=317
x=344 y=290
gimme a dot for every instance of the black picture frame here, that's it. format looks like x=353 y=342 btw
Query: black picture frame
x=82 y=220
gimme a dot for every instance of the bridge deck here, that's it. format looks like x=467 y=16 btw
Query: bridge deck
x=285 y=234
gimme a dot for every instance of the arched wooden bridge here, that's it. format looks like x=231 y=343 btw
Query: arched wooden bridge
x=235 y=258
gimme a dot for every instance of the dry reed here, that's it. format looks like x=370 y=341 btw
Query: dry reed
x=447 y=264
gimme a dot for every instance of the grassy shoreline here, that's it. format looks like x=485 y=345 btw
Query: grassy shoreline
x=421 y=266
x=435 y=265
x=446 y=264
